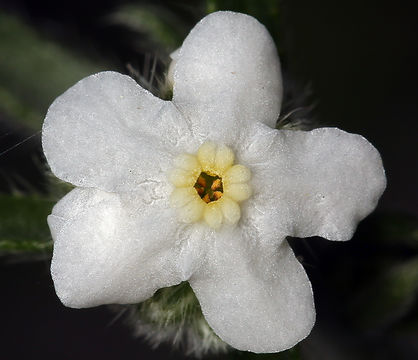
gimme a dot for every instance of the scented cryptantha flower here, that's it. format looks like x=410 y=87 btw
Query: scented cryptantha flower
x=202 y=188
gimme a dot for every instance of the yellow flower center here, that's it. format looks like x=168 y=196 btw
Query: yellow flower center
x=208 y=186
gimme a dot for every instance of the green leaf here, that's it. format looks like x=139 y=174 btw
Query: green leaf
x=34 y=70
x=162 y=28
x=17 y=109
x=23 y=226
x=389 y=297
x=398 y=230
x=175 y=315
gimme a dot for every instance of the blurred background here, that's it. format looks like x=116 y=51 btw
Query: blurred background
x=355 y=61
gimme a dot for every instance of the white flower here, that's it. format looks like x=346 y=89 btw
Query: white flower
x=118 y=238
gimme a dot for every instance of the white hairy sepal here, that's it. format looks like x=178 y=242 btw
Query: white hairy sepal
x=173 y=316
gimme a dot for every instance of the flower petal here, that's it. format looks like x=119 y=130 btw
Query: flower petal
x=255 y=298
x=108 y=132
x=321 y=182
x=113 y=248
x=227 y=74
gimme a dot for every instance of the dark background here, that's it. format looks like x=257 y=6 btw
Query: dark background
x=360 y=59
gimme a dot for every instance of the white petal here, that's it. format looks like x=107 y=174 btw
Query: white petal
x=321 y=182
x=254 y=298
x=170 y=73
x=70 y=206
x=116 y=249
x=108 y=132
x=227 y=75
x=55 y=224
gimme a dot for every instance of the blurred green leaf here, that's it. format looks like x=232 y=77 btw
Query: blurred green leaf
x=389 y=297
x=15 y=107
x=172 y=305
x=23 y=226
x=409 y=324
x=34 y=71
x=156 y=23
x=398 y=229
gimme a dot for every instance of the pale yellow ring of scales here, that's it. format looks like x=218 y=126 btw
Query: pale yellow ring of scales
x=214 y=161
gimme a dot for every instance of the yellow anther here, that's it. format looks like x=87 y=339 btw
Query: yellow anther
x=216 y=195
x=200 y=190
x=216 y=185
x=201 y=181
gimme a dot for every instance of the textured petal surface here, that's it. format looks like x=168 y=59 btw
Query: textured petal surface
x=227 y=75
x=108 y=132
x=321 y=182
x=117 y=249
x=255 y=298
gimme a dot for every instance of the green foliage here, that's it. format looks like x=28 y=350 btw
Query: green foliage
x=172 y=305
x=156 y=24
x=174 y=315
x=23 y=227
x=397 y=230
x=18 y=109
x=390 y=296
x=34 y=71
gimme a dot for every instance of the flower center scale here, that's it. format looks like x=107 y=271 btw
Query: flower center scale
x=208 y=186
